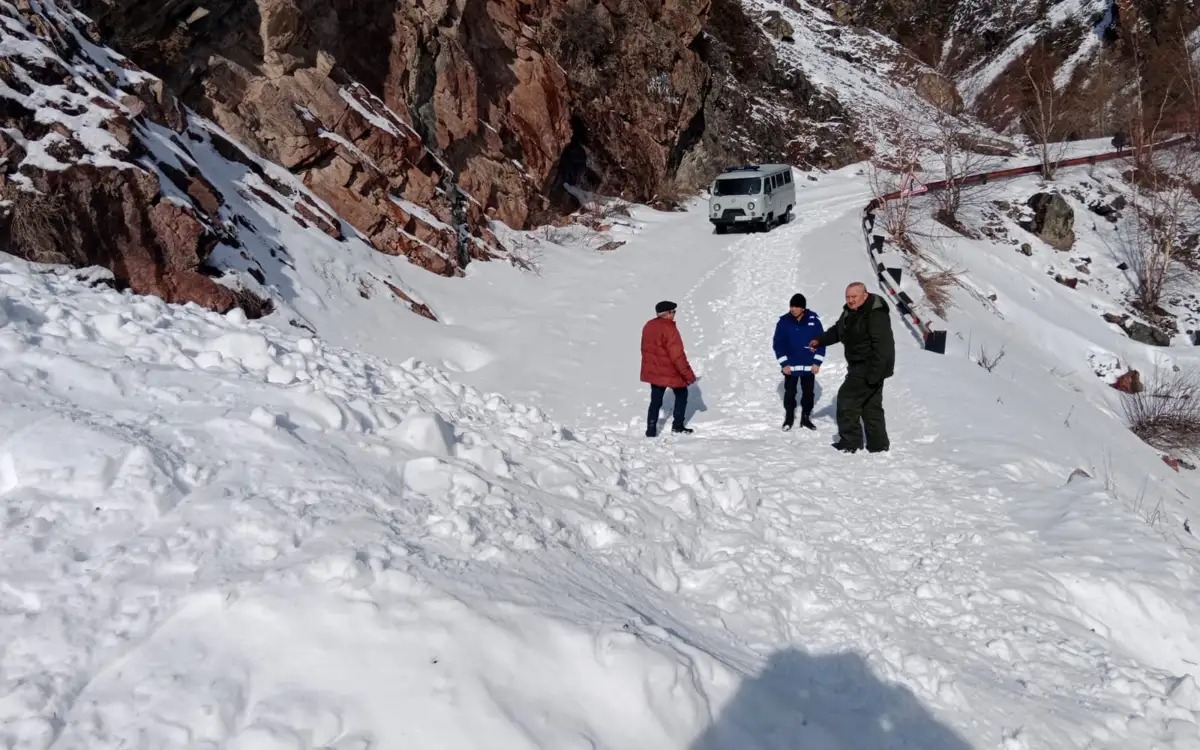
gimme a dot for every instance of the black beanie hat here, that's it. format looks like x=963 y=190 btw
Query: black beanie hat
x=664 y=306
x=799 y=301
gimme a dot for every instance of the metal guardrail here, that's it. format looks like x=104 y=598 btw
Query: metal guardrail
x=889 y=278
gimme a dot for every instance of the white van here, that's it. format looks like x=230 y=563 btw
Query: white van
x=759 y=196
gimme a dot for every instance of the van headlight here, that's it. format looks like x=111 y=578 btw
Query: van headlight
x=716 y=208
x=750 y=206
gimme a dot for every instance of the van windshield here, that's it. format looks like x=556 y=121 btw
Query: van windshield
x=738 y=186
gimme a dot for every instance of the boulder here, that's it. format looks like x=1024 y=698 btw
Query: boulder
x=1130 y=382
x=1149 y=335
x=1053 y=220
x=775 y=24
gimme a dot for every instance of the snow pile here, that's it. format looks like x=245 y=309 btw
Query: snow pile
x=217 y=534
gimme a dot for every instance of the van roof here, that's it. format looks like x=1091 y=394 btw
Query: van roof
x=753 y=170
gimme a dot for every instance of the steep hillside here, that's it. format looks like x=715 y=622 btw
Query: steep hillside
x=1092 y=50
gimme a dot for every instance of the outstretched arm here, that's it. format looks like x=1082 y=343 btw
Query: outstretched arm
x=819 y=354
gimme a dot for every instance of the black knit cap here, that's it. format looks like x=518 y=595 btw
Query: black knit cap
x=799 y=301
x=664 y=306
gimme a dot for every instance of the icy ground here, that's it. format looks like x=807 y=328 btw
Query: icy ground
x=217 y=535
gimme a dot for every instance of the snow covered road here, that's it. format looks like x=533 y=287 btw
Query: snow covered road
x=220 y=536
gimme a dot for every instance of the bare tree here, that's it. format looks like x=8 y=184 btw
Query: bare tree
x=1188 y=72
x=1047 y=116
x=953 y=141
x=895 y=214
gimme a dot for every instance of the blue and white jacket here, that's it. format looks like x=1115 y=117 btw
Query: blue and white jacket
x=791 y=341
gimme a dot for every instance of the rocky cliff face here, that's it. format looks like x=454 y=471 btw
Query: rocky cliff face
x=76 y=180
x=100 y=165
x=377 y=107
x=516 y=96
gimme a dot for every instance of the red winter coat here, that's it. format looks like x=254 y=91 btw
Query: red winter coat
x=663 y=360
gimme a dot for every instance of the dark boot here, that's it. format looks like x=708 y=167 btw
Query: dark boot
x=806 y=422
x=788 y=419
x=845 y=448
x=683 y=430
x=680 y=411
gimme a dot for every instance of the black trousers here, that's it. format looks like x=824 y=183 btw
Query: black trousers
x=656 y=401
x=807 y=382
x=859 y=410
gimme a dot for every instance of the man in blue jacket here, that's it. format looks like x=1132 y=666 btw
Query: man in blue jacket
x=800 y=365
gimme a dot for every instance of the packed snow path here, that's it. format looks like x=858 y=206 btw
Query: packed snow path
x=924 y=559
x=217 y=535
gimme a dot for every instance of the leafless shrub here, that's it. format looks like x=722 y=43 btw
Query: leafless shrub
x=526 y=256
x=1166 y=213
x=1166 y=413
x=37 y=225
x=597 y=213
x=671 y=195
x=896 y=215
x=936 y=286
x=557 y=235
x=1138 y=504
x=987 y=360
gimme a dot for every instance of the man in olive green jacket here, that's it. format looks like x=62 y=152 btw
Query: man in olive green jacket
x=865 y=331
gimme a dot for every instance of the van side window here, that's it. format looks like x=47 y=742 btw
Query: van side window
x=787 y=177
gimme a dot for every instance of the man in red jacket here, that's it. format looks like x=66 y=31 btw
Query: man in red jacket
x=664 y=365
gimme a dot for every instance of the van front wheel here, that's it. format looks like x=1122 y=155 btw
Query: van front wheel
x=787 y=216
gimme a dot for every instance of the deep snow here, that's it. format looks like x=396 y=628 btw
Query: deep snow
x=223 y=535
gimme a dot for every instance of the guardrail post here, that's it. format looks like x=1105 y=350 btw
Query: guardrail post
x=935 y=341
x=876 y=243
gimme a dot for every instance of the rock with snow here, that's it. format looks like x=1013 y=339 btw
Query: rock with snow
x=1053 y=220
x=1147 y=334
x=778 y=27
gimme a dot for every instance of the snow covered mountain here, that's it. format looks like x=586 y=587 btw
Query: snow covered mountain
x=308 y=518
